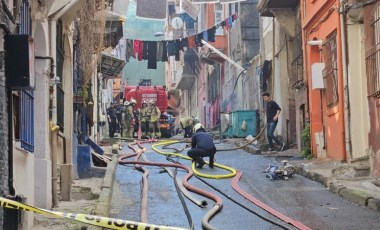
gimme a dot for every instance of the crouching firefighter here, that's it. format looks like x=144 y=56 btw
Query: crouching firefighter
x=202 y=145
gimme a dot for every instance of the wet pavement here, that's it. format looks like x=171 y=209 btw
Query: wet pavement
x=300 y=198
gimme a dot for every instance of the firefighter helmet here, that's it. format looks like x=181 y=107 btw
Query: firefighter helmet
x=152 y=102
x=133 y=101
x=197 y=126
x=126 y=102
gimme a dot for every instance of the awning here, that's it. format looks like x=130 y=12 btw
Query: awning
x=110 y=66
x=57 y=5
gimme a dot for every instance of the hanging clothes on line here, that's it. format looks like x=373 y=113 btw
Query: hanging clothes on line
x=152 y=54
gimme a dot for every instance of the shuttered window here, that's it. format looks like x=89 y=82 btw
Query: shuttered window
x=330 y=73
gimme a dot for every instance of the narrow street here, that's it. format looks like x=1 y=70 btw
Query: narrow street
x=298 y=198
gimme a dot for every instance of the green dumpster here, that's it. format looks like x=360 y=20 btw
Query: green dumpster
x=244 y=123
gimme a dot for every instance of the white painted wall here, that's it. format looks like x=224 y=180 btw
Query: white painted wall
x=360 y=123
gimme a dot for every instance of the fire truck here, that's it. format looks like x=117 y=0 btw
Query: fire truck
x=157 y=94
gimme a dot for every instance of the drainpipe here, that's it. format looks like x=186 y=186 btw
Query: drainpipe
x=347 y=112
x=54 y=188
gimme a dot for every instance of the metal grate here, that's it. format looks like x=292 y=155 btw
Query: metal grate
x=26 y=127
x=330 y=73
x=373 y=57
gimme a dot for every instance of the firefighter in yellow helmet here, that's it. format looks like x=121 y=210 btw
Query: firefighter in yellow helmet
x=144 y=118
x=154 y=114
x=130 y=119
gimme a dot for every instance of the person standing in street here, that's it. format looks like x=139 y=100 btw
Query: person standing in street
x=273 y=111
x=154 y=114
x=144 y=119
x=202 y=145
x=112 y=120
x=130 y=119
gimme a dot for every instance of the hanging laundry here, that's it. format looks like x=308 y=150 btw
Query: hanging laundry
x=184 y=42
x=198 y=39
x=137 y=49
x=145 y=50
x=129 y=50
x=205 y=36
x=152 y=54
x=191 y=42
x=227 y=24
x=230 y=21
x=211 y=34
x=164 y=52
x=159 y=50
x=178 y=47
x=171 y=46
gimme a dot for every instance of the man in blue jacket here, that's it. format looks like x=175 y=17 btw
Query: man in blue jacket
x=202 y=145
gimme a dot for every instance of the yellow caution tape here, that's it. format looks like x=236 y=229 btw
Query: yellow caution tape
x=99 y=221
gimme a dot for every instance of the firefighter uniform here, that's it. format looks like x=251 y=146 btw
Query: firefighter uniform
x=144 y=119
x=154 y=114
x=187 y=123
x=129 y=119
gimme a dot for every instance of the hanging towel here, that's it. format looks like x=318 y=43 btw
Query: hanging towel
x=129 y=50
x=164 y=52
x=159 y=50
x=211 y=34
x=198 y=40
x=152 y=54
x=184 y=42
x=191 y=42
x=145 y=50
x=177 y=49
x=205 y=36
x=137 y=49
x=230 y=21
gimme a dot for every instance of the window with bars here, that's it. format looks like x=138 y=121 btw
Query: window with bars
x=373 y=56
x=60 y=92
x=330 y=73
x=24 y=114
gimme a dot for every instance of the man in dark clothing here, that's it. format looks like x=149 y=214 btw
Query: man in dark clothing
x=273 y=111
x=202 y=145
x=112 y=120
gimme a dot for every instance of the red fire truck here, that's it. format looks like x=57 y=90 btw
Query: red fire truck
x=158 y=94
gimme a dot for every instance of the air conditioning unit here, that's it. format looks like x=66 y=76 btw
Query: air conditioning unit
x=317 y=76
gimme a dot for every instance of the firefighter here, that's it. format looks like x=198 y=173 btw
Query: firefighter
x=123 y=120
x=154 y=114
x=144 y=118
x=130 y=119
x=187 y=124
x=202 y=145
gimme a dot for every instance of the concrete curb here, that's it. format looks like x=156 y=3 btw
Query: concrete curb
x=355 y=195
x=102 y=206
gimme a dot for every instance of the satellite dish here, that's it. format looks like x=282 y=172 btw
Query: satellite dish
x=176 y=23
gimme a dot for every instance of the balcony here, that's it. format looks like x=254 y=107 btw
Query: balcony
x=190 y=70
x=267 y=8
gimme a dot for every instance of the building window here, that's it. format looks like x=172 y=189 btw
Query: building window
x=219 y=16
x=373 y=56
x=60 y=92
x=23 y=105
x=330 y=73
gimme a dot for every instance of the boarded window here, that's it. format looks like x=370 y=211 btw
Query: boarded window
x=373 y=56
x=330 y=73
